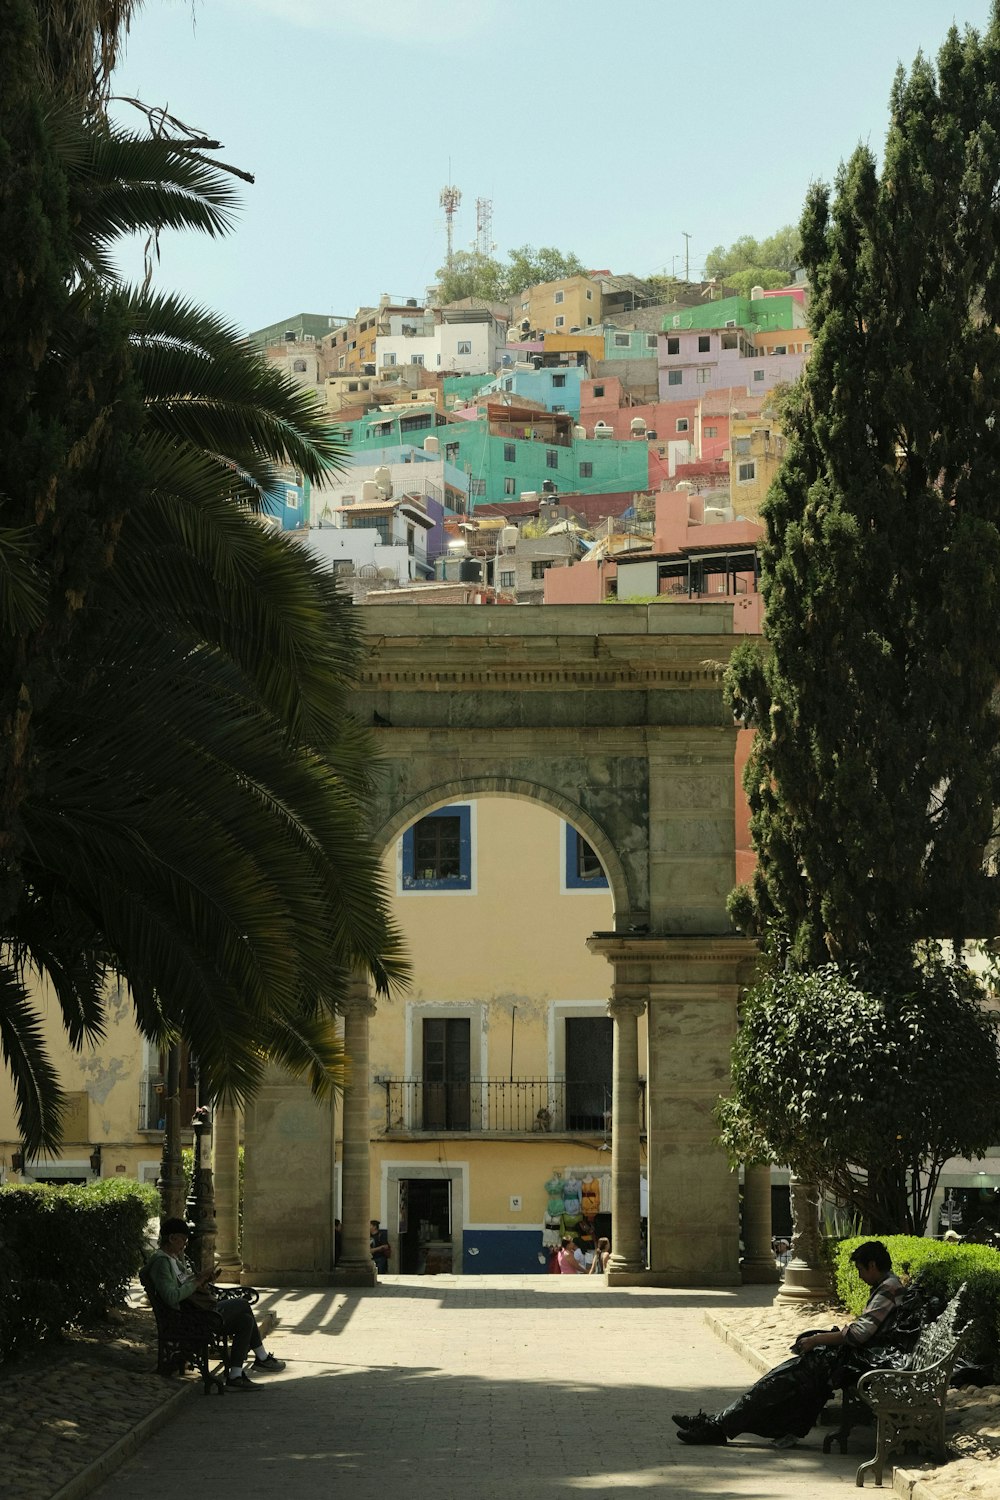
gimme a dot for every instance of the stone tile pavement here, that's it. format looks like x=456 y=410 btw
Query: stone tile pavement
x=485 y=1388
x=496 y=1388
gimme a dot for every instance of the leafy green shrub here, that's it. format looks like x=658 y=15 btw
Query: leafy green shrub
x=68 y=1254
x=942 y=1269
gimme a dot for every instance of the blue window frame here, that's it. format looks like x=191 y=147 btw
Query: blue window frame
x=583 y=868
x=437 y=851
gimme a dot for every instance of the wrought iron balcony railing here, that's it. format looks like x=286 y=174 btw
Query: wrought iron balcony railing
x=500 y=1106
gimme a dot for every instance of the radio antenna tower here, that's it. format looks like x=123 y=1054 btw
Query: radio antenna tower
x=450 y=198
x=484 y=226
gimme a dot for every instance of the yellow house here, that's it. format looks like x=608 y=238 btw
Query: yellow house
x=114 y=1093
x=756 y=448
x=558 y=306
x=491 y=1079
x=571 y=343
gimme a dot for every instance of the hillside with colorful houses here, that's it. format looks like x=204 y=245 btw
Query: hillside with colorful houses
x=580 y=444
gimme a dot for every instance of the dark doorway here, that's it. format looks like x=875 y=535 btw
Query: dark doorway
x=446 y=1075
x=425 y=1226
x=588 y=1072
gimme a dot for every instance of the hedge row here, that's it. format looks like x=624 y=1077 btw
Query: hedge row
x=67 y=1254
x=942 y=1269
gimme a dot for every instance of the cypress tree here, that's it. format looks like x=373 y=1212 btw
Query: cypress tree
x=875 y=775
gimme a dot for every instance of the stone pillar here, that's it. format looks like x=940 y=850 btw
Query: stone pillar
x=287 y=1185
x=226 y=1173
x=355 y=1266
x=625 y=1008
x=806 y=1276
x=759 y=1266
x=692 y=985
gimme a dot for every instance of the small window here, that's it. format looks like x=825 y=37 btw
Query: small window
x=560 y=320
x=710 y=432
x=682 y=424
x=539 y=569
x=675 y=377
x=650 y=340
x=558 y=381
x=703 y=375
x=509 y=453
x=506 y=580
x=584 y=870
x=465 y=346
x=524 y=307
x=342 y=361
x=741 y=446
x=299 y=366
x=558 y=408
x=551 y=458
x=451 y=451
x=586 y=471
x=758 y=374
x=416 y=359
x=291 y=499
x=745 y=473
x=598 y=390
x=622 y=340
x=437 y=852
x=704 y=343
x=510 y=485
x=560 y=297
x=780 y=349
x=590 y=298
x=807 y=348
x=673 y=345
x=388 y=360
x=590 y=322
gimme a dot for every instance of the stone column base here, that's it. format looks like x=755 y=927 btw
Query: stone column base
x=759 y=1272
x=354 y=1273
x=804 y=1283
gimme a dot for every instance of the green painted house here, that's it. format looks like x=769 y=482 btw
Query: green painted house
x=502 y=466
x=761 y=313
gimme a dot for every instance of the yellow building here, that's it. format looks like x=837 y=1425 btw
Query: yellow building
x=756 y=449
x=780 y=341
x=492 y=1078
x=114 y=1102
x=558 y=306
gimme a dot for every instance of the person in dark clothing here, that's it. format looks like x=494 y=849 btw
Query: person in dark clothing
x=379 y=1245
x=786 y=1402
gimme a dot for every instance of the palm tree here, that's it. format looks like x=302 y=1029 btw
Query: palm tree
x=182 y=788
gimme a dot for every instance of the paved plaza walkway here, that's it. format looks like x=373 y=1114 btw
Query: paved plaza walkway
x=480 y=1388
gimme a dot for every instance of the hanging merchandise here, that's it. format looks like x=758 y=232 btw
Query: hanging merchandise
x=590 y=1196
x=554 y=1187
x=571 y=1196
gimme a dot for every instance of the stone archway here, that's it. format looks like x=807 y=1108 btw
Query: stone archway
x=613 y=717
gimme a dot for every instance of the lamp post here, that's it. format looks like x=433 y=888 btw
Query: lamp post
x=200 y=1207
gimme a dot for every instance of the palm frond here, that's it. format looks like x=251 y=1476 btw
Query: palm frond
x=39 y=1099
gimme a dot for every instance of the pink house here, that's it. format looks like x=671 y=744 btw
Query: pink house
x=693 y=362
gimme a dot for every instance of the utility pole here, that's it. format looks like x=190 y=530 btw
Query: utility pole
x=687 y=257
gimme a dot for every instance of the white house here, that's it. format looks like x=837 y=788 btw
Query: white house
x=455 y=340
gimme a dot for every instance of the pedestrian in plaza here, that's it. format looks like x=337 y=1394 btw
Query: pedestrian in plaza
x=570 y=1258
x=380 y=1247
x=176 y=1283
x=786 y=1402
x=602 y=1255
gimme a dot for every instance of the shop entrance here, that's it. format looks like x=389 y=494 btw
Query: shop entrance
x=425 y=1247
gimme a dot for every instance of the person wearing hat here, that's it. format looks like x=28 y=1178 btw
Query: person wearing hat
x=176 y=1283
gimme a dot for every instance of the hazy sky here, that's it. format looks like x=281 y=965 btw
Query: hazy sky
x=608 y=130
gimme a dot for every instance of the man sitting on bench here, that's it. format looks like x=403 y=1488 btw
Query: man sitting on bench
x=180 y=1287
x=786 y=1402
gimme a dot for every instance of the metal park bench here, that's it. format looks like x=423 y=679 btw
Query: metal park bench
x=909 y=1403
x=192 y=1338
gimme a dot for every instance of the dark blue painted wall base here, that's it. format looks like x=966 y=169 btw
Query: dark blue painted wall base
x=495 y=1252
